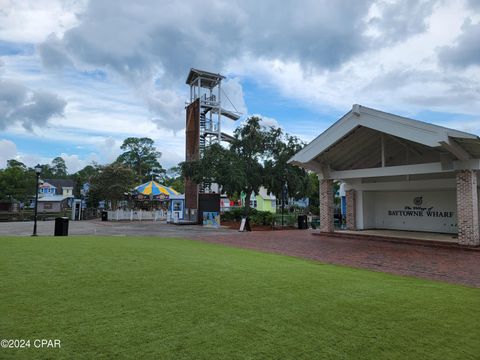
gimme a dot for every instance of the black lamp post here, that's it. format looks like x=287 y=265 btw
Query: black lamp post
x=284 y=197
x=38 y=171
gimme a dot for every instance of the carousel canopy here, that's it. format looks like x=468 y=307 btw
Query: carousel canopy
x=154 y=188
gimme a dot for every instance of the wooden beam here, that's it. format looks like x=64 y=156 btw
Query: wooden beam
x=427 y=168
x=398 y=155
x=371 y=159
x=446 y=161
x=405 y=145
x=353 y=152
x=382 y=140
x=453 y=147
x=311 y=165
x=325 y=171
x=344 y=146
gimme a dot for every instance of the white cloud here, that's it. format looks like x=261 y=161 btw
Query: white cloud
x=30 y=21
x=168 y=109
x=232 y=96
x=466 y=49
x=404 y=77
x=151 y=45
x=19 y=104
x=75 y=162
x=8 y=150
x=267 y=121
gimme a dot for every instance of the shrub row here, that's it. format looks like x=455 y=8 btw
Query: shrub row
x=259 y=217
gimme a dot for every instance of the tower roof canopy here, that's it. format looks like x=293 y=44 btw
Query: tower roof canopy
x=207 y=79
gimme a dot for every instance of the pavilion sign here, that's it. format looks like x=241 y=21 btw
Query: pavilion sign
x=418 y=211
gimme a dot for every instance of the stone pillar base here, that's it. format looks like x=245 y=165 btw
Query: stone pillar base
x=326 y=205
x=467 y=208
x=351 y=209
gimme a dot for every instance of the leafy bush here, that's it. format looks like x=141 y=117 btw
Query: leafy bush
x=235 y=214
x=256 y=217
x=262 y=218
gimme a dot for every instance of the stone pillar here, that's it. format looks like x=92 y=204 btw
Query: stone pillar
x=326 y=205
x=467 y=208
x=351 y=209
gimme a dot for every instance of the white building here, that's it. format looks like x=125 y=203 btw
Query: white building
x=399 y=174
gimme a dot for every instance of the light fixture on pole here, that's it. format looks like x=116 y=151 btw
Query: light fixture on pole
x=38 y=171
x=284 y=198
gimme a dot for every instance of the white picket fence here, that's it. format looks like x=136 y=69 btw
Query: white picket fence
x=139 y=215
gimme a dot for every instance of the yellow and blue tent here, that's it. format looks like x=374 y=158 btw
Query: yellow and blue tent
x=154 y=188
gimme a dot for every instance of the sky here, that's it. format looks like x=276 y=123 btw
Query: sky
x=77 y=77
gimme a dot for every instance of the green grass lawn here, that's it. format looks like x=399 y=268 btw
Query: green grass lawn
x=154 y=298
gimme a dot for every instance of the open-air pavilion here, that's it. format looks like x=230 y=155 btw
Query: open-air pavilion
x=399 y=174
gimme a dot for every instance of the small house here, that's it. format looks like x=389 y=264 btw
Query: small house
x=47 y=189
x=264 y=201
x=63 y=187
x=52 y=204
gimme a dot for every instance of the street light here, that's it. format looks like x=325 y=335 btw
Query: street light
x=38 y=171
x=284 y=197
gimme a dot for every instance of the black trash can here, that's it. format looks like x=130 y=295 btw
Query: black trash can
x=61 y=226
x=104 y=215
x=302 y=222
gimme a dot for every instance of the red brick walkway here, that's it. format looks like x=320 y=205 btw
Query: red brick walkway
x=445 y=264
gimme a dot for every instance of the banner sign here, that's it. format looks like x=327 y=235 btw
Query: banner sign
x=434 y=211
x=211 y=219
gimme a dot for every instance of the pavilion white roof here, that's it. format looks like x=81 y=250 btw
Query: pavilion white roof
x=370 y=143
x=365 y=122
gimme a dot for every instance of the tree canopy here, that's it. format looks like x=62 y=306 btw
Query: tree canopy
x=83 y=176
x=17 y=182
x=173 y=178
x=257 y=156
x=142 y=157
x=12 y=163
x=58 y=168
x=111 y=183
x=281 y=147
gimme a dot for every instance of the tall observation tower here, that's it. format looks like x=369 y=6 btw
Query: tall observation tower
x=204 y=125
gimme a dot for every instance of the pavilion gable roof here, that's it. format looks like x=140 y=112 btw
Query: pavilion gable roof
x=419 y=132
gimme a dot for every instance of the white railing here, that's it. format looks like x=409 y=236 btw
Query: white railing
x=137 y=215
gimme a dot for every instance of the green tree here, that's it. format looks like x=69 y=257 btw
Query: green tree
x=277 y=169
x=58 y=167
x=111 y=183
x=17 y=182
x=12 y=163
x=142 y=157
x=313 y=193
x=238 y=168
x=83 y=176
x=47 y=171
x=174 y=179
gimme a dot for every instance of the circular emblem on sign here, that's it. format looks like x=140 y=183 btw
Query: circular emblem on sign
x=162 y=196
x=418 y=200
